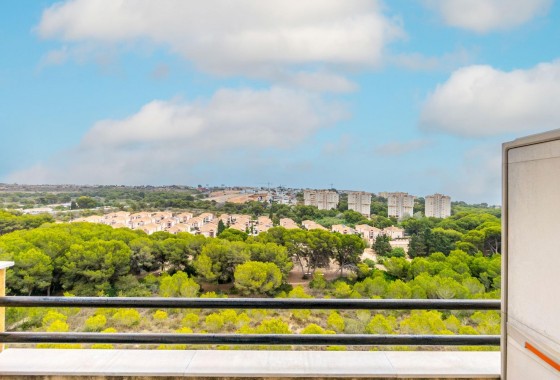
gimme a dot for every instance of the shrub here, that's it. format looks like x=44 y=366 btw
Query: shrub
x=230 y=317
x=95 y=323
x=126 y=317
x=381 y=325
x=318 y=281
x=298 y=292
x=184 y=330
x=243 y=320
x=353 y=326
x=397 y=252
x=160 y=315
x=214 y=322
x=273 y=326
x=336 y=322
x=58 y=326
x=301 y=314
x=315 y=329
x=190 y=320
x=424 y=322
x=452 y=323
x=342 y=289
x=52 y=316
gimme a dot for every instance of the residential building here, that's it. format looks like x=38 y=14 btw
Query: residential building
x=288 y=223
x=178 y=228
x=342 y=229
x=311 y=225
x=322 y=199
x=239 y=226
x=393 y=232
x=206 y=217
x=400 y=205
x=208 y=230
x=151 y=228
x=184 y=216
x=263 y=224
x=168 y=222
x=368 y=233
x=438 y=206
x=360 y=201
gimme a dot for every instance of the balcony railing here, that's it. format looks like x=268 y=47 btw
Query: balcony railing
x=250 y=339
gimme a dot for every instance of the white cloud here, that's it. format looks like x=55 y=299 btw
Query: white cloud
x=482 y=101
x=246 y=37
x=396 y=148
x=168 y=141
x=478 y=178
x=55 y=57
x=420 y=62
x=486 y=15
x=319 y=81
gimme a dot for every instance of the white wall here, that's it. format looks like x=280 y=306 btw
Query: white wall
x=532 y=256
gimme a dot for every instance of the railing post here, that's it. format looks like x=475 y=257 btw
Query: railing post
x=3 y=266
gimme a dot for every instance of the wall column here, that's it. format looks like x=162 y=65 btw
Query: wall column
x=4 y=265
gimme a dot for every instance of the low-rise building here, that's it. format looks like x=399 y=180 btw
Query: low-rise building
x=151 y=228
x=179 y=227
x=288 y=223
x=342 y=229
x=393 y=232
x=184 y=216
x=311 y=225
x=367 y=232
x=206 y=217
x=208 y=230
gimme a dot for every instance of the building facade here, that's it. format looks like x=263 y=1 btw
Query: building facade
x=400 y=205
x=322 y=199
x=360 y=201
x=438 y=206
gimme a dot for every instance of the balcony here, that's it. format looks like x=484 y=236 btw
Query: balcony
x=17 y=363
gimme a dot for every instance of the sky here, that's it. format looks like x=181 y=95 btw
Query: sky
x=400 y=95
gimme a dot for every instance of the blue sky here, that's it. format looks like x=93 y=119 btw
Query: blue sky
x=399 y=95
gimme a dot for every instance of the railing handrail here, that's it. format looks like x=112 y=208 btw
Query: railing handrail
x=251 y=303
x=256 y=339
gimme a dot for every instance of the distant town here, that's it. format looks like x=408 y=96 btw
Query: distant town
x=399 y=206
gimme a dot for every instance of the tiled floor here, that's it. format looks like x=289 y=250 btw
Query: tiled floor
x=373 y=364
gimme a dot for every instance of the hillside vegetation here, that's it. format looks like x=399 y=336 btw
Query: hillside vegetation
x=458 y=257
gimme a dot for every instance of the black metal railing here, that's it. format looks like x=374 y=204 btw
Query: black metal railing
x=250 y=303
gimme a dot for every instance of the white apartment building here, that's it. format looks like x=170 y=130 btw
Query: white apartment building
x=322 y=199
x=400 y=205
x=360 y=201
x=438 y=206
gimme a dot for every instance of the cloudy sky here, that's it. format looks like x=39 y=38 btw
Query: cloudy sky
x=396 y=95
